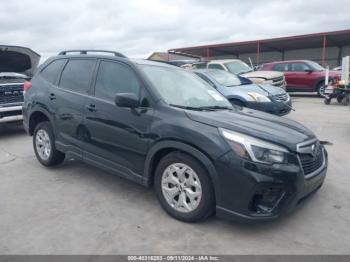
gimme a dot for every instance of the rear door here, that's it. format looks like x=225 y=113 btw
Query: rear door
x=299 y=76
x=69 y=100
x=117 y=138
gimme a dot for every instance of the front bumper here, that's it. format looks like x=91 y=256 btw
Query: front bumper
x=10 y=113
x=252 y=191
x=274 y=107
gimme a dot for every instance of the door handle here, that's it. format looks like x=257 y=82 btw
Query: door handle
x=52 y=96
x=91 y=108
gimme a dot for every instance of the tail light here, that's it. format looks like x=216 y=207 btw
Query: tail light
x=26 y=86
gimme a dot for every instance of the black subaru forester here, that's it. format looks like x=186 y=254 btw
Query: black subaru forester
x=160 y=125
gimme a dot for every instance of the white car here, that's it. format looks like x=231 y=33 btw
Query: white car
x=240 y=68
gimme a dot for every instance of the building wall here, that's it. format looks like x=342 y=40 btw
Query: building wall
x=315 y=54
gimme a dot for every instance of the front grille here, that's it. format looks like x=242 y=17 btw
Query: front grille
x=278 y=81
x=11 y=94
x=311 y=163
x=282 y=97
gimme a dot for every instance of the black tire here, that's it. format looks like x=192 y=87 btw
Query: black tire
x=320 y=88
x=55 y=157
x=206 y=205
x=327 y=101
x=345 y=101
x=340 y=98
x=237 y=103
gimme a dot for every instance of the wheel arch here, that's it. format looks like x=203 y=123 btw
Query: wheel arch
x=162 y=148
x=319 y=81
x=35 y=118
x=237 y=98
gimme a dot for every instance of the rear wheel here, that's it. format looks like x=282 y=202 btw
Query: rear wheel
x=183 y=188
x=44 y=145
x=320 y=88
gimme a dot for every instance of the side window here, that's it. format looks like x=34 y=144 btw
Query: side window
x=280 y=67
x=51 y=72
x=215 y=66
x=115 y=78
x=77 y=74
x=299 y=67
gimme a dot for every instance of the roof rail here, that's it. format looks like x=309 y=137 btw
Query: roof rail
x=84 y=52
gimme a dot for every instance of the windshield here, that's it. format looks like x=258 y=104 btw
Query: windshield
x=315 y=66
x=181 y=88
x=238 y=67
x=227 y=79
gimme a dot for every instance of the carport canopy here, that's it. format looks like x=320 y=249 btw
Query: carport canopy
x=281 y=44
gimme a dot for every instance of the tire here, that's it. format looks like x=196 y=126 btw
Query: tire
x=327 y=101
x=345 y=101
x=340 y=99
x=320 y=89
x=199 y=187
x=44 y=145
x=237 y=103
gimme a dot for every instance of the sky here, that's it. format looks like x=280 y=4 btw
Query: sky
x=137 y=28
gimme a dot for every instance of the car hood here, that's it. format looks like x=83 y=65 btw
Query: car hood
x=262 y=89
x=278 y=130
x=18 y=59
x=263 y=74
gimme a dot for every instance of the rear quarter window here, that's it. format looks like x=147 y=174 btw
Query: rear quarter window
x=215 y=66
x=77 y=74
x=50 y=73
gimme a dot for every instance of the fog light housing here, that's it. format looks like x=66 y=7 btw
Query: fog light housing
x=267 y=200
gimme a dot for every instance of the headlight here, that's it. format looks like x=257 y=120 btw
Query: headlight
x=255 y=149
x=258 y=98
x=268 y=82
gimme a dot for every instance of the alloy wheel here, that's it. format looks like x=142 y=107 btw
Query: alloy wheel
x=181 y=187
x=43 y=144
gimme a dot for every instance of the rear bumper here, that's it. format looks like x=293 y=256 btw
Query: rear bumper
x=11 y=114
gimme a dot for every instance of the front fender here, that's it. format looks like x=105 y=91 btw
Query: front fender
x=180 y=146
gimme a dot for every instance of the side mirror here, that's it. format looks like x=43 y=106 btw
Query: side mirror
x=308 y=70
x=129 y=100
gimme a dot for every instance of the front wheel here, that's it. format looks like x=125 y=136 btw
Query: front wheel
x=183 y=188
x=44 y=145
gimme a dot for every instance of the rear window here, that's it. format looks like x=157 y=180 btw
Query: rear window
x=51 y=72
x=77 y=74
x=280 y=67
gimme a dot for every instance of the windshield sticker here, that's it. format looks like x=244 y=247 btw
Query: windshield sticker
x=215 y=95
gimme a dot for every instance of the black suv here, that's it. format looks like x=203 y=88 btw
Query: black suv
x=160 y=125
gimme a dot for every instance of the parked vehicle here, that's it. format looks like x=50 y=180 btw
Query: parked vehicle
x=16 y=66
x=238 y=67
x=161 y=125
x=303 y=75
x=243 y=92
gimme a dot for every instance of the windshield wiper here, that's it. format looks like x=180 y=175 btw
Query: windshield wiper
x=186 y=107
x=215 y=107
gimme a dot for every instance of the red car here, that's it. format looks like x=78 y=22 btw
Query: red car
x=302 y=75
